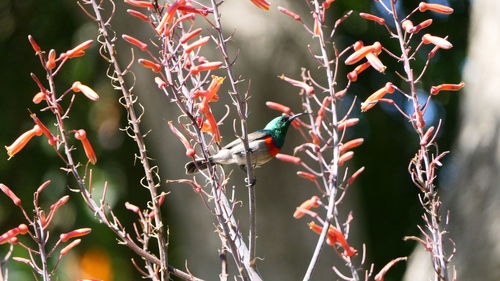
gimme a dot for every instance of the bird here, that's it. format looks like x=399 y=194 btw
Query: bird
x=263 y=144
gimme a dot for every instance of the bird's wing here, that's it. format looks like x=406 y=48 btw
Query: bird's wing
x=251 y=137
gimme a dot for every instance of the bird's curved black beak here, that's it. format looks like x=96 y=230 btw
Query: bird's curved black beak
x=290 y=119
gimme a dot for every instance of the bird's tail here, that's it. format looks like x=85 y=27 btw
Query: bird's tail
x=194 y=167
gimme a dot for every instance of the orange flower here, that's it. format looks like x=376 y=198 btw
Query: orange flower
x=353 y=75
x=289 y=13
x=312 y=202
x=5 y=189
x=136 y=42
x=262 y=4
x=81 y=135
x=355 y=175
x=75 y=233
x=86 y=91
x=288 y=158
x=186 y=37
x=70 y=246
x=373 y=98
x=334 y=236
x=51 y=61
x=347 y=123
x=77 y=51
x=321 y=112
x=327 y=4
x=39 y=97
x=278 y=106
x=149 y=64
x=142 y=4
x=438 y=41
x=375 y=62
x=7 y=236
x=45 y=130
x=309 y=89
x=351 y=144
x=372 y=18
x=196 y=44
x=195 y=69
x=362 y=52
x=345 y=157
x=190 y=152
x=168 y=17
x=212 y=127
x=446 y=87
x=422 y=25
x=22 y=140
x=423 y=6
x=138 y=15
x=306 y=175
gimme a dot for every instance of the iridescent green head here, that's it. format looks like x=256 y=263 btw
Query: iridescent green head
x=278 y=128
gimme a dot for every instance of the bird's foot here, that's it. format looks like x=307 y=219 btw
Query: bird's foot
x=252 y=182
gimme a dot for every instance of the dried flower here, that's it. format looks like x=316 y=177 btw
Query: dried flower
x=446 y=87
x=372 y=18
x=7 y=191
x=423 y=6
x=70 y=246
x=136 y=42
x=438 y=41
x=309 y=89
x=288 y=158
x=190 y=152
x=262 y=4
x=373 y=98
x=81 y=135
x=22 y=140
x=289 y=13
x=45 y=130
x=75 y=233
x=86 y=91
x=312 y=202
x=380 y=275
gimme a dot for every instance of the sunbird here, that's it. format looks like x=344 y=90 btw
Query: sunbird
x=263 y=144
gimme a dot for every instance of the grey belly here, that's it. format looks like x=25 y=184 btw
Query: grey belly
x=237 y=155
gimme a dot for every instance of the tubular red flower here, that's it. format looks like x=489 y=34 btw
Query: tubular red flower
x=327 y=4
x=190 y=152
x=132 y=207
x=59 y=203
x=196 y=44
x=345 y=157
x=34 y=45
x=168 y=17
x=309 y=89
x=446 y=87
x=289 y=13
x=372 y=18
x=347 y=123
x=70 y=246
x=262 y=4
x=186 y=37
x=45 y=131
x=141 y=4
x=375 y=62
x=77 y=51
x=422 y=25
x=373 y=98
x=43 y=186
x=362 y=52
x=353 y=75
x=278 y=106
x=81 y=135
x=334 y=236
x=307 y=176
x=136 y=42
x=213 y=127
x=7 y=236
x=355 y=175
x=385 y=269
x=138 y=15
x=438 y=41
x=351 y=144
x=190 y=9
x=149 y=64
x=204 y=67
x=7 y=191
x=160 y=83
x=423 y=6
x=86 y=91
x=310 y=203
x=288 y=158
x=22 y=140
x=51 y=61
x=321 y=112
x=75 y=233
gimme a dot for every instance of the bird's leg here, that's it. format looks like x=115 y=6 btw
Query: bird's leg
x=254 y=179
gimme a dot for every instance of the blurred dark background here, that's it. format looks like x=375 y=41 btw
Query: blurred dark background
x=384 y=202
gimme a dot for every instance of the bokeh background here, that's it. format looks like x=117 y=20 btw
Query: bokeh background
x=384 y=202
